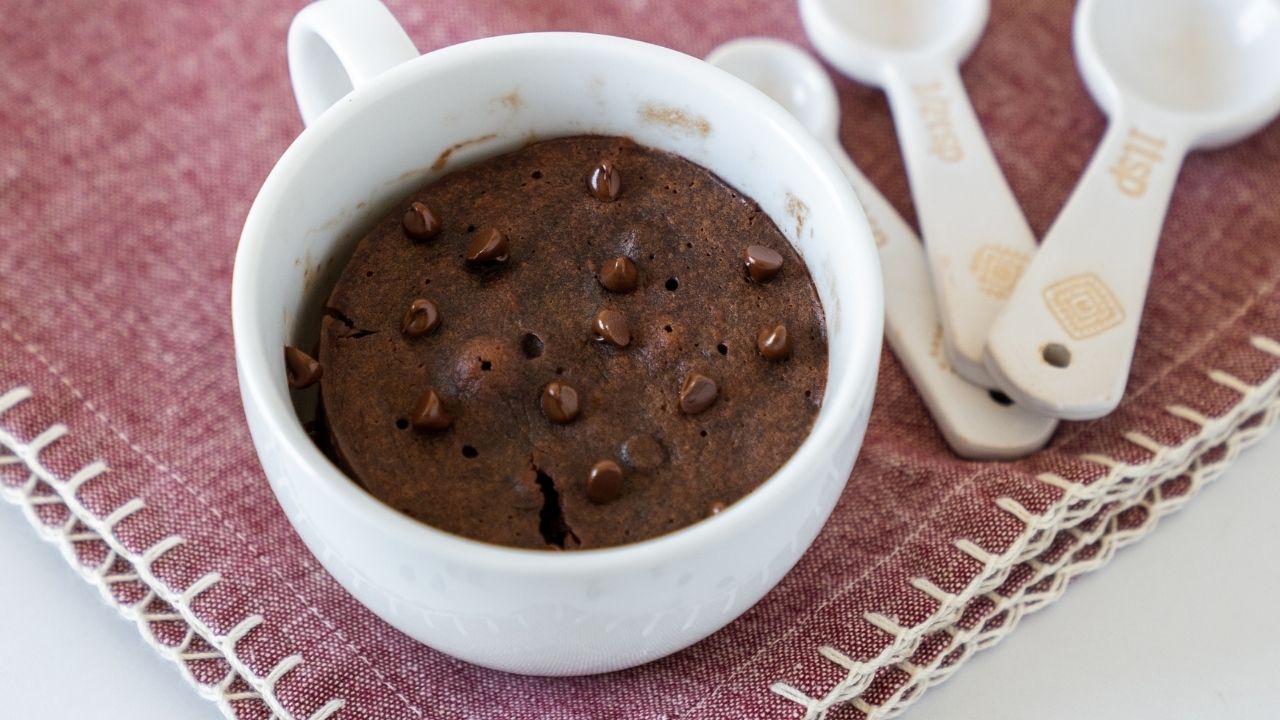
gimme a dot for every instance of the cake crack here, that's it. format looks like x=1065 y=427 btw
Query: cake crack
x=356 y=333
x=551 y=521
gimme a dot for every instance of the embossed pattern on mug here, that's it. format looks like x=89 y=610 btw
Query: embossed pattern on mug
x=1083 y=305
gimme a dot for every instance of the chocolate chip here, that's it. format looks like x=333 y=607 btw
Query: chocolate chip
x=488 y=247
x=717 y=507
x=774 y=343
x=301 y=369
x=697 y=393
x=421 y=222
x=605 y=181
x=604 y=483
x=643 y=452
x=559 y=402
x=762 y=262
x=421 y=318
x=619 y=275
x=429 y=413
x=612 y=327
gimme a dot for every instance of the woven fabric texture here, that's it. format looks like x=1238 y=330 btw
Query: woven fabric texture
x=133 y=138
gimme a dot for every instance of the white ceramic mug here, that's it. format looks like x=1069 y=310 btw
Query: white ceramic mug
x=411 y=119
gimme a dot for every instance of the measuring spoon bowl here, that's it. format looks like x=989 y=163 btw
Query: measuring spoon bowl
x=865 y=38
x=1210 y=66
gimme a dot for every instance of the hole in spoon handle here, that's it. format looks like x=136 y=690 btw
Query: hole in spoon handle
x=1065 y=341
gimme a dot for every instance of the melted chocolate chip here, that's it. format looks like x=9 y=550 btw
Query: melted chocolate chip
x=429 y=413
x=488 y=247
x=604 y=482
x=643 y=452
x=421 y=318
x=717 y=507
x=605 y=182
x=612 y=327
x=301 y=369
x=619 y=275
x=527 y=495
x=559 y=402
x=421 y=222
x=697 y=393
x=762 y=263
x=774 y=343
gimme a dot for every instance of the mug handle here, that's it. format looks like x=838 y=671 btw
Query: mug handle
x=335 y=46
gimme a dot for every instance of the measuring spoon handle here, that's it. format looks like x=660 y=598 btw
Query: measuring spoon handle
x=976 y=237
x=1065 y=341
x=973 y=422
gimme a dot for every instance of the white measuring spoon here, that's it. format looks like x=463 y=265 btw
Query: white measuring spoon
x=1173 y=75
x=975 y=235
x=973 y=422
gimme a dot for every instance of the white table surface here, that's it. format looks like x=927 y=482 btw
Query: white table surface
x=1184 y=624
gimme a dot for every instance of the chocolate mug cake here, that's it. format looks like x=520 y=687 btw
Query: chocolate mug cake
x=580 y=344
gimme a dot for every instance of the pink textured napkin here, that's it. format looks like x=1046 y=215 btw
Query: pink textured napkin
x=133 y=137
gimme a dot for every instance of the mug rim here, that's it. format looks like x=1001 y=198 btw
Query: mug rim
x=259 y=386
